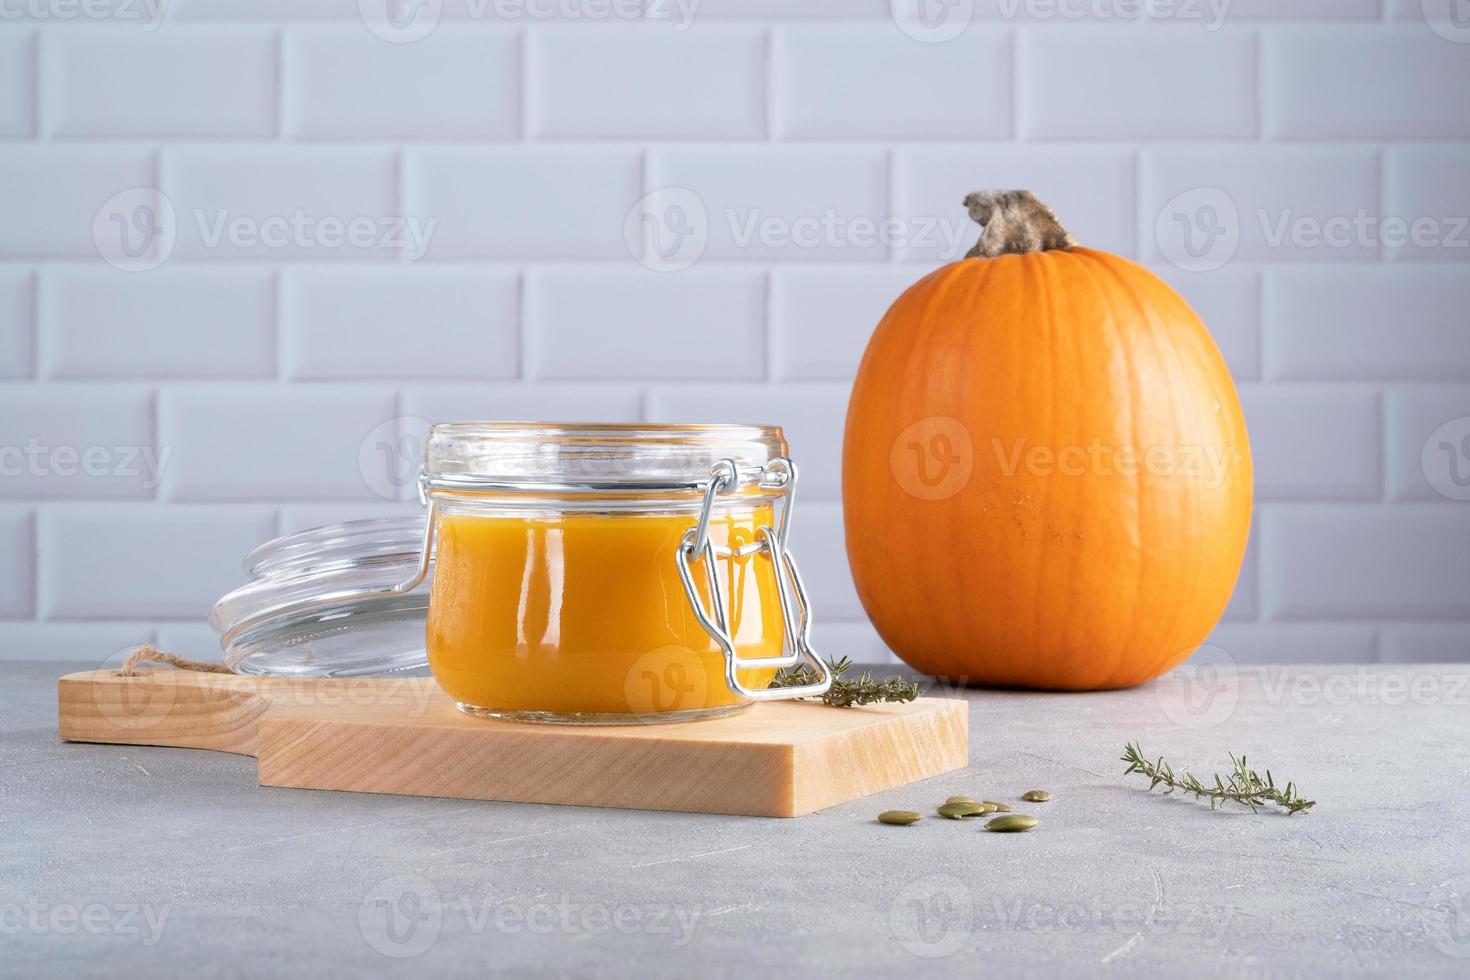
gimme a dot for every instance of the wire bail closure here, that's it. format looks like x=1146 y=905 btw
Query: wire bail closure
x=696 y=546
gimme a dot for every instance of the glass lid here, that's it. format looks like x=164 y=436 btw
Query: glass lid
x=289 y=620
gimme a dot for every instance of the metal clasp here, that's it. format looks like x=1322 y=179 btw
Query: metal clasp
x=696 y=546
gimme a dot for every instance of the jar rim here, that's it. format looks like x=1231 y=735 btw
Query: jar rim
x=573 y=457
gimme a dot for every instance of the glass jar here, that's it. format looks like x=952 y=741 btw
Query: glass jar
x=605 y=574
x=594 y=574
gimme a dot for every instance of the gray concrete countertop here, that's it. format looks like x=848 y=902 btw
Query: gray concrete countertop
x=173 y=862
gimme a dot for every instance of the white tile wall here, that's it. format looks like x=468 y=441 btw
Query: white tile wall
x=372 y=231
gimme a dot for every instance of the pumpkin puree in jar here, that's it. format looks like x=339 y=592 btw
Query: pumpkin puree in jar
x=585 y=614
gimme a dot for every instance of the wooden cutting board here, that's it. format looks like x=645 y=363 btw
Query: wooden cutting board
x=402 y=735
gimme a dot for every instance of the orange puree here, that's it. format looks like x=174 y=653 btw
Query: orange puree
x=585 y=613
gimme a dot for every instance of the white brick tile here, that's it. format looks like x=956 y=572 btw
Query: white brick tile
x=17 y=321
x=85 y=646
x=1428 y=190
x=1444 y=15
x=68 y=441
x=820 y=547
x=1310 y=442
x=17 y=85
x=166 y=323
x=64 y=188
x=250 y=442
x=1229 y=303
x=141 y=561
x=699 y=323
x=813 y=417
x=1390 y=83
x=524 y=403
x=590 y=82
x=1427 y=643
x=1366 y=562
x=197 y=641
x=1252 y=644
x=270 y=204
x=17 y=548
x=1245 y=601
x=524 y=203
x=177 y=82
x=1288 y=202
x=1205 y=16
x=875 y=82
x=857 y=640
x=422 y=322
x=259 y=10
x=1119 y=87
x=1419 y=469
x=1368 y=323
x=785 y=204
x=821 y=319
x=342 y=82
x=1090 y=189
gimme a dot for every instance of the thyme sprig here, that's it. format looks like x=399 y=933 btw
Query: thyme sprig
x=1244 y=785
x=866 y=689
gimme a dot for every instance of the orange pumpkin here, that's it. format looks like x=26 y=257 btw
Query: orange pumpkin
x=1046 y=475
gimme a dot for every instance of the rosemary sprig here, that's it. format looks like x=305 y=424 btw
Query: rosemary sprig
x=1244 y=785
x=866 y=689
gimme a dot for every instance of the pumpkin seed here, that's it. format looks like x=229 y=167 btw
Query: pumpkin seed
x=1011 y=823
x=987 y=808
x=899 y=818
x=958 y=811
x=962 y=799
x=999 y=807
x=1036 y=795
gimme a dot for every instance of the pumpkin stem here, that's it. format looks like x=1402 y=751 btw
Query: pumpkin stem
x=1015 y=223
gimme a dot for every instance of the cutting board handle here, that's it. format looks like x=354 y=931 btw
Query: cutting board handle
x=180 y=708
